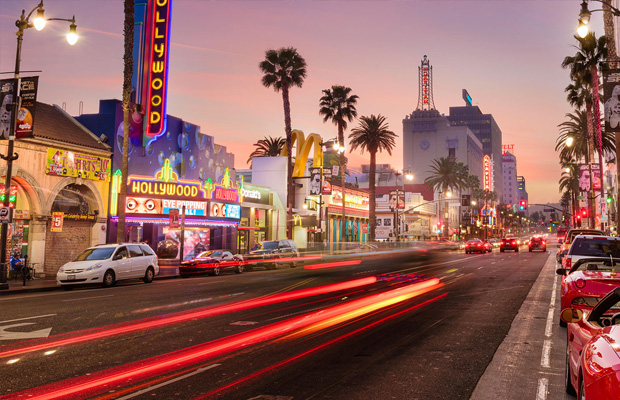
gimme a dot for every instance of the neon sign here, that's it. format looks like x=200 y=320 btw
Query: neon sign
x=222 y=210
x=157 y=64
x=486 y=170
x=425 y=84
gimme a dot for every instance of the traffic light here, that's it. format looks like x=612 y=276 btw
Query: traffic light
x=522 y=205
x=584 y=212
x=551 y=221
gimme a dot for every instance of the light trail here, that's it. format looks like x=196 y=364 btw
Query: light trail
x=320 y=347
x=333 y=264
x=110 y=379
x=108 y=331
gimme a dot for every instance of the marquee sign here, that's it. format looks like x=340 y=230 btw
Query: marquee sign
x=222 y=210
x=486 y=170
x=165 y=183
x=508 y=148
x=77 y=165
x=158 y=22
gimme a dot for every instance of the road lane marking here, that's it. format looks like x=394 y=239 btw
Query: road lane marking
x=543 y=384
x=549 y=325
x=544 y=361
x=89 y=298
x=138 y=393
x=6 y=335
x=21 y=319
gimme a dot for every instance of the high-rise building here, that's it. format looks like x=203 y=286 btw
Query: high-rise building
x=509 y=173
x=428 y=135
x=487 y=131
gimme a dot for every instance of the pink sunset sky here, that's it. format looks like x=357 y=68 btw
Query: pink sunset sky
x=507 y=54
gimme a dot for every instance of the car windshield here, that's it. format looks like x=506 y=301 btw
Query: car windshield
x=597 y=265
x=204 y=254
x=598 y=247
x=95 y=253
x=268 y=246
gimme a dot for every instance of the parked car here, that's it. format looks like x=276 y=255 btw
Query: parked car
x=591 y=246
x=106 y=264
x=592 y=353
x=508 y=244
x=477 y=246
x=537 y=243
x=589 y=280
x=268 y=254
x=210 y=262
x=568 y=240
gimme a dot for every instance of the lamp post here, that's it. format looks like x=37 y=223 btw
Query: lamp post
x=340 y=150
x=320 y=204
x=408 y=176
x=22 y=24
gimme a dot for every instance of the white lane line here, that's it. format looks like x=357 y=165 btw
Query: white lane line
x=549 y=325
x=480 y=267
x=88 y=298
x=138 y=393
x=544 y=361
x=493 y=262
x=541 y=394
x=21 y=319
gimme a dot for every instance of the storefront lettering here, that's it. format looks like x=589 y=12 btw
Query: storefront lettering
x=225 y=194
x=163 y=188
x=252 y=194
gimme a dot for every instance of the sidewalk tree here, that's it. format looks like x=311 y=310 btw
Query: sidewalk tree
x=338 y=105
x=372 y=134
x=283 y=69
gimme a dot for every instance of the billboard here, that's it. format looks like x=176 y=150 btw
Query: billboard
x=611 y=99
x=584 y=177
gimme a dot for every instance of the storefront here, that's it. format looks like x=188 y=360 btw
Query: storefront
x=357 y=210
x=170 y=213
x=256 y=216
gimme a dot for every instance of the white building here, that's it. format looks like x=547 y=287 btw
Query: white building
x=509 y=178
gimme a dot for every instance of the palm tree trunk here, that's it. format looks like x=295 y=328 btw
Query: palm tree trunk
x=127 y=75
x=373 y=200
x=290 y=193
x=612 y=57
x=599 y=136
x=343 y=168
x=589 y=158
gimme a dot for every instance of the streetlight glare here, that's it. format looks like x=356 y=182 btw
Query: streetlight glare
x=569 y=141
x=39 y=21
x=582 y=29
x=409 y=176
x=449 y=194
x=72 y=36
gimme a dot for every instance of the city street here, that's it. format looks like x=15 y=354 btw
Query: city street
x=233 y=337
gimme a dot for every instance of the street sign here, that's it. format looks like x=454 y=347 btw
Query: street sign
x=5 y=215
x=549 y=210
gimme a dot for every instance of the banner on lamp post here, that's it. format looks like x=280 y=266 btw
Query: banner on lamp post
x=26 y=112
x=611 y=99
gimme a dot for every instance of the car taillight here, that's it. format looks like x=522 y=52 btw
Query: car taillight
x=566 y=262
x=580 y=283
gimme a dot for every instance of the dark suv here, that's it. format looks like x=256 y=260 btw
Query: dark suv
x=268 y=254
x=509 y=244
x=537 y=243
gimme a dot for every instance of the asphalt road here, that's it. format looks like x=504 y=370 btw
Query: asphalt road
x=391 y=334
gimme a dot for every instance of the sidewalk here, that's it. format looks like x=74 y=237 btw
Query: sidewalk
x=48 y=283
x=529 y=364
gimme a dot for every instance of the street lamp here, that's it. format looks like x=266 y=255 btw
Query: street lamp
x=408 y=175
x=585 y=13
x=23 y=23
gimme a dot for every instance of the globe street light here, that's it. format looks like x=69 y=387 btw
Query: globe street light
x=23 y=23
x=585 y=13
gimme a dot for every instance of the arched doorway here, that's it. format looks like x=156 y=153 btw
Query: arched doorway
x=80 y=208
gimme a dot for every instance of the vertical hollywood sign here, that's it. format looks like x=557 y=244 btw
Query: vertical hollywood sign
x=155 y=121
x=425 y=84
x=486 y=165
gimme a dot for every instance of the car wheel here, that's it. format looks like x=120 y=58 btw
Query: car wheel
x=66 y=287
x=530 y=250
x=239 y=269
x=249 y=268
x=516 y=250
x=501 y=250
x=562 y=324
x=183 y=275
x=216 y=271
x=568 y=384
x=109 y=279
x=544 y=249
x=149 y=275
x=582 y=390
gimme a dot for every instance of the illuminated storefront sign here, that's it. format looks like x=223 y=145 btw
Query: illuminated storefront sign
x=221 y=210
x=157 y=64
x=178 y=189
x=191 y=207
x=357 y=200
x=68 y=163
x=486 y=171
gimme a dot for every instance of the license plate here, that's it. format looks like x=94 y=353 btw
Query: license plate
x=70 y=277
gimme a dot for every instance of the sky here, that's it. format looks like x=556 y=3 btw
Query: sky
x=507 y=54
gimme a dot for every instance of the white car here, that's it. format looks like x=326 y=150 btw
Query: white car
x=108 y=263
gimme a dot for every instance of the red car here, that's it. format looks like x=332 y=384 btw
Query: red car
x=589 y=280
x=593 y=350
x=210 y=262
x=537 y=243
x=509 y=244
x=477 y=246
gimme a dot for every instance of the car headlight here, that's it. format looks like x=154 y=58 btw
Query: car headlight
x=586 y=301
x=62 y=269
x=98 y=265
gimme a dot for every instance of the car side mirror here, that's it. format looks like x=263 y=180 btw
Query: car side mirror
x=571 y=315
x=561 y=271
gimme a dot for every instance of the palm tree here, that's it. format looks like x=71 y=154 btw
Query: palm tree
x=372 y=134
x=127 y=75
x=446 y=175
x=584 y=70
x=569 y=183
x=338 y=105
x=267 y=147
x=283 y=69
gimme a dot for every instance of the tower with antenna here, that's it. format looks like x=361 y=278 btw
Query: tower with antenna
x=425 y=86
